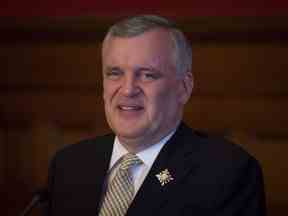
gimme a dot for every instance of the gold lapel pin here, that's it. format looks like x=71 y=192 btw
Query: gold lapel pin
x=164 y=177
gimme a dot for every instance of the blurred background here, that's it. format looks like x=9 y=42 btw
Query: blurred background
x=50 y=85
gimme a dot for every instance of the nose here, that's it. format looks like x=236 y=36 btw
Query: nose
x=130 y=86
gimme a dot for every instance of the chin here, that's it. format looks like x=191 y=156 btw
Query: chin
x=130 y=133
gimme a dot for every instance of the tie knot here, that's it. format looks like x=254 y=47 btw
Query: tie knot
x=129 y=160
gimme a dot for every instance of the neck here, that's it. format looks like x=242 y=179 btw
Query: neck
x=138 y=144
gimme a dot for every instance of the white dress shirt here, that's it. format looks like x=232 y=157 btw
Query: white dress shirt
x=147 y=156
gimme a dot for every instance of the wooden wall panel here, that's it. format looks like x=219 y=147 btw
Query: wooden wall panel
x=2 y=158
x=239 y=69
x=50 y=91
x=262 y=114
x=271 y=153
x=50 y=64
x=110 y=8
x=226 y=69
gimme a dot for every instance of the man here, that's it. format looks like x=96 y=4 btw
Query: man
x=172 y=169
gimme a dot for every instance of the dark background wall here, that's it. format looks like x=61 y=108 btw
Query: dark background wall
x=184 y=8
x=50 y=86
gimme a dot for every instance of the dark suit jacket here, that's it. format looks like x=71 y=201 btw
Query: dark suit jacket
x=211 y=177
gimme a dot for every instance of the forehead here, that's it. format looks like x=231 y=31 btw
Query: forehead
x=154 y=45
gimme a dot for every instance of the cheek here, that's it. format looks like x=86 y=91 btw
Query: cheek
x=167 y=100
x=158 y=102
x=105 y=98
x=108 y=91
x=105 y=90
x=105 y=93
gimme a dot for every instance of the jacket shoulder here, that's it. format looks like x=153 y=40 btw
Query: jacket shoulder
x=84 y=147
x=214 y=149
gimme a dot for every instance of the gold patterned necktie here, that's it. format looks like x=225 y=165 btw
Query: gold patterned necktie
x=120 y=190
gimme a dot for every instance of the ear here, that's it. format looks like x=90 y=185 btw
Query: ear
x=187 y=86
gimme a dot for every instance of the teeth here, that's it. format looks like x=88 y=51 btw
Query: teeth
x=129 y=108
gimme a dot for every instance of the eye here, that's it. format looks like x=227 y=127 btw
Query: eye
x=149 y=75
x=113 y=73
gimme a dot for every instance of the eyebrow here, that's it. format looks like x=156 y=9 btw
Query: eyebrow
x=136 y=68
x=109 y=68
x=148 y=68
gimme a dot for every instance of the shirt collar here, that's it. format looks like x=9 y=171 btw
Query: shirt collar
x=147 y=156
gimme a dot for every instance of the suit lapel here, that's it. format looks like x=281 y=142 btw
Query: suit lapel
x=103 y=160
x=92 y=180
x=176 y=157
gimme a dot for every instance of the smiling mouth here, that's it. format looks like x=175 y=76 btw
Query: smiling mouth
x=130 y=108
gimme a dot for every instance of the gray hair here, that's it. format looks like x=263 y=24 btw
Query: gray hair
x=137 y=25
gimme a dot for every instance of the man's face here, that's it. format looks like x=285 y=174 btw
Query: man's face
x=143 y=96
